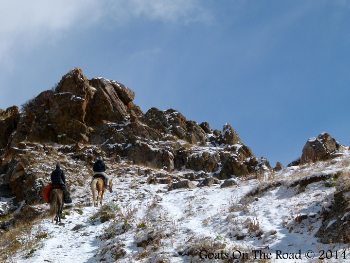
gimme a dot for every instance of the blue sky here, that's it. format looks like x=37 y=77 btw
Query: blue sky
x=278 y=71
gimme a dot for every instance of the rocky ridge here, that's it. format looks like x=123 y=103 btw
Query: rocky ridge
x=81 y=112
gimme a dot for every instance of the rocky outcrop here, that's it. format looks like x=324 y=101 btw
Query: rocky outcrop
x=319 y=149
x=143 y=153
x=278 y=167
x=68 y=113
x=203 y=161
x=173 y=122
x=237 y=160
x=109 y=103
x=8 y=123
x=229 y=136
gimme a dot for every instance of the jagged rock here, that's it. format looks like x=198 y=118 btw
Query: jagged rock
x=228 y=183
x=65 y=114
x=209 y=181
x=156 y=119
x=278 y=167
x=109 y=103
x=205 y=126
x=8 y=123
x=142 y=153
x=229 y=135
x=180 y=158
x=182 y=184
x=195 y=133
x=171 y=121
x=76 y=83
x=233 y=167
x=25 y=186
x=203 y=161
x=294 y=163
x=319 y=149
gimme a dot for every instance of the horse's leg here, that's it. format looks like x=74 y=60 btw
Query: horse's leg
x=102 y=192
x=97 y=196
x=60 y=215
x=94 y=194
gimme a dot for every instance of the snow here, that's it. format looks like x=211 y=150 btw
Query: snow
x=282 y=218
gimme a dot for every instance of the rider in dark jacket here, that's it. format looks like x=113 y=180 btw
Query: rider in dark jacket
x=99 y=166
x=58 y=180
x=99 y=169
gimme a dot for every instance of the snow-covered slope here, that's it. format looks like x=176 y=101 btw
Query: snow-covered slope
x=272 y=220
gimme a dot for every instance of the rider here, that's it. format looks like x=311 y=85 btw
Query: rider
x=58 y=180
x=99 y=169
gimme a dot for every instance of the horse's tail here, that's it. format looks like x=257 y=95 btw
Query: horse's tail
x=93 y=185
x=54 y=202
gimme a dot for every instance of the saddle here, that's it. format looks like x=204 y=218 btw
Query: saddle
x=98 y=176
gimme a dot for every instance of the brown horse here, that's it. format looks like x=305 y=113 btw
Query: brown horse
x=56 y=204
x=98 y=189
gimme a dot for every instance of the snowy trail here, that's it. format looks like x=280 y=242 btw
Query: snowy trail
x=74 y=240
x=65 y=244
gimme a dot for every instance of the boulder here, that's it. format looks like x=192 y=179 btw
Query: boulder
x=143 y=153
x=182 y=184
x=203 y=161
x=160 y=178
x=228 y=183
x=24 y=185
x=209 y=181
x=319 y=149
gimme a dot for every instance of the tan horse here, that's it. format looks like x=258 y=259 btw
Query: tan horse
x=98 y=189
x=56 y=204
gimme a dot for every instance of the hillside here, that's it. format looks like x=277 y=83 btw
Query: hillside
x=183 y=192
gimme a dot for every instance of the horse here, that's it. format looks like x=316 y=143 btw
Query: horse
x=98 y=189
x=56 y=204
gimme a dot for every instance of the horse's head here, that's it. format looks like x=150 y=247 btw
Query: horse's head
x=110 y=186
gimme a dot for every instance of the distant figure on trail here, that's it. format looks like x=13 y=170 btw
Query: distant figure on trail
x=58 y=181
x=99 y=169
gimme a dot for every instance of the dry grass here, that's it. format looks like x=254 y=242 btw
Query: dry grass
x=105 y=213
x=20 y=239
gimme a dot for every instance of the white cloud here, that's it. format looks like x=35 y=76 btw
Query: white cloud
x=27 y=23
x=177 y=11
x=24 y=24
